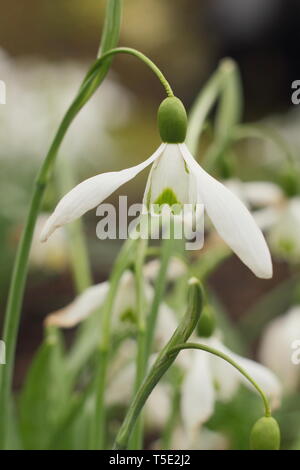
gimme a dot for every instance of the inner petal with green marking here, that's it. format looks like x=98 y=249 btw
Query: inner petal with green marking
x=169 y=198
x=170 y=182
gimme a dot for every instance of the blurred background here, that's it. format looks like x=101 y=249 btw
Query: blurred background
x=46 y=47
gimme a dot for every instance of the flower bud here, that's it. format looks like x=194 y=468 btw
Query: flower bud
x=265 y=434
x=172 y=121
x=207 y=322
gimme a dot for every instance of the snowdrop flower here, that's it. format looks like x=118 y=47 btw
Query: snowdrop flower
x=93 y=298
x=175 y=178
x=209 y=378
x=284 y=234
x=52 y=256
x=280 y=348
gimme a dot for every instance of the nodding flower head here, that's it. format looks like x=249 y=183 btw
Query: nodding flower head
x=175 y=178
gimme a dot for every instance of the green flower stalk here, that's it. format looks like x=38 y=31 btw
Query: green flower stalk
x=230 y=360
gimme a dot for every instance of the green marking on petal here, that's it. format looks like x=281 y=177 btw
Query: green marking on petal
x=128 y=316
x=187 y=170
x=148 y=198
x=167 y=197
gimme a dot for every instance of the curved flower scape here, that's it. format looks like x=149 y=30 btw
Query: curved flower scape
x=209 y=379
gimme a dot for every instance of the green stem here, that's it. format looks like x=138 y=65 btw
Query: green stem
x=228 y=359
x=228 y=114
x=174 y=414
x=17 y=286
x=136 y=441
x=125 y=258
x=200 y=109
x=163 y=362
x=224 y=75
x=160 y=285
x=81 y=267
x=139 y=55
x=112 y=25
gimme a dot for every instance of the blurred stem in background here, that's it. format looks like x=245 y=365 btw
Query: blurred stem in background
x=147 y=325
x=17 y=286
x=228 y=115
x=174 y=412
x=97 y=431
x=141 y=363
x=160 y=285
x=224 y=85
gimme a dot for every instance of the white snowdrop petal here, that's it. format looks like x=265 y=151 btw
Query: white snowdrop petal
x=84 y=305
x=198 y=394
x=232 y=220
x=90 y=193
x=169 y=172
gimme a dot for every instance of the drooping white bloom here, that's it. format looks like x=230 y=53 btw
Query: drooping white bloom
x=92 y=299
x=209 y=378
x=175 y=178
x=280 y=348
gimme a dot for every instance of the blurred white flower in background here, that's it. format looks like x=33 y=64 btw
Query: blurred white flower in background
x=275 y=213
x=263 y=198
x=287 y=126
x=204 y=439
x=284 y=235
x=39 y=93
x=276 y=348
x=93 y=298
x=53 y=257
